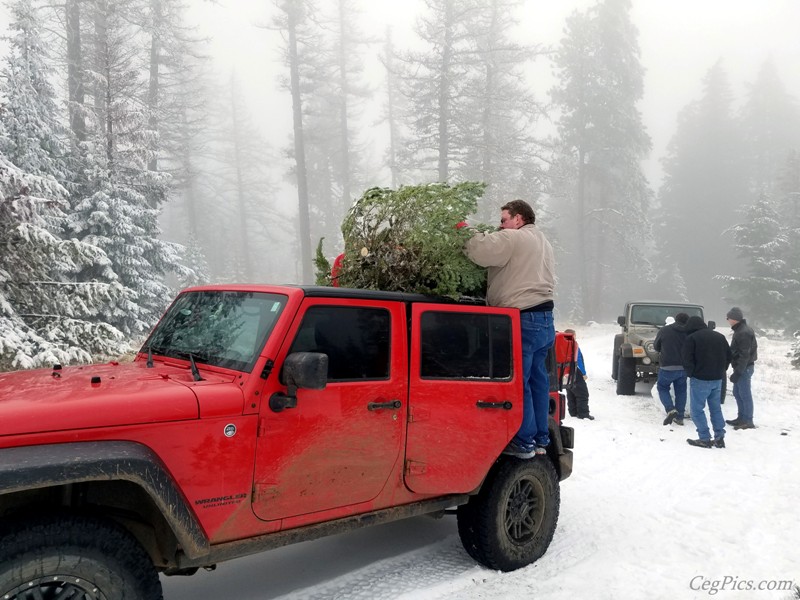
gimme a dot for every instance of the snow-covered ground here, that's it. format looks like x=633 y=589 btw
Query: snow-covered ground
x=644 y=515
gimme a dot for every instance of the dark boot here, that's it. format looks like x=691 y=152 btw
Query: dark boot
x=744 y=425
x=671 y=416
x=700 y=443
x=735 y=421
x=719 y=443
x=590 y=417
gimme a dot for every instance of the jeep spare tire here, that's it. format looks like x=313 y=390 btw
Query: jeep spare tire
x=511 y=522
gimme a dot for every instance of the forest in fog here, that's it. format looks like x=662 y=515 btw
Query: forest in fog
x=129 y=168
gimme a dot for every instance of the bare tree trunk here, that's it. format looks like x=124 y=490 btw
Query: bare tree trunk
x=299 y=148
x=244 y=246
x=103 y=95
x=75 y=69
x=444 y=93
x=153 y=88
x=343 y=123
x=390 y=91
x=580 y=220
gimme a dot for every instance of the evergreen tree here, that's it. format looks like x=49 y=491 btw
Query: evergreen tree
x=116 y=208
x=788 y=190
x=499 y=146
x=703 y=190
x=771 y=124
x=761 y=242
x=47 y=315
x=602 y=138
x=293 y=22
x=434 y=83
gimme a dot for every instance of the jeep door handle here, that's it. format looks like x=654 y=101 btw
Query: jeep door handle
x=485 y=404
x=395 y=404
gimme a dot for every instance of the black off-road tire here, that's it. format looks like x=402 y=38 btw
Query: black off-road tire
x=615 y=356
x=626 y=376
x=511 y=522
x=74 y=557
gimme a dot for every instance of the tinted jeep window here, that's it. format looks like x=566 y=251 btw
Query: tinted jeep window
x=356 y=340
x=465 y=346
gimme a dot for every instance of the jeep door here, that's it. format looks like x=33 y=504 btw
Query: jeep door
x=465 y=396
x=337 y=446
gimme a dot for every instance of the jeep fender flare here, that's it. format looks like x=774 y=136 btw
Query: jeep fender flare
x=626 y=350
x=34 y=467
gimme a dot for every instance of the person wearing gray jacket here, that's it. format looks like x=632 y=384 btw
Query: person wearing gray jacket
x=521 y=274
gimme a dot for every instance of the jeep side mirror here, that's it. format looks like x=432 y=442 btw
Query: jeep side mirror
x=300 y=370
x=712 y=325
x=621 y=321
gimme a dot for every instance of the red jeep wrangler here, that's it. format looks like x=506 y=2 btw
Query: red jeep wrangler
x=259 y=416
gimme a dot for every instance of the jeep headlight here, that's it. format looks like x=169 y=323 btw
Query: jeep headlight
x=650 y=347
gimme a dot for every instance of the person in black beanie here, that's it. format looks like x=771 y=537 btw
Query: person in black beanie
x=706 y=356
x=744 y=353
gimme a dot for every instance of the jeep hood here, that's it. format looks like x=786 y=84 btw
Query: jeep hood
x=94 y=396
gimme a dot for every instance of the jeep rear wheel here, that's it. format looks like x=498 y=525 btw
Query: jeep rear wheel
x=75 y=558
x=626 y=376
x=511 y=522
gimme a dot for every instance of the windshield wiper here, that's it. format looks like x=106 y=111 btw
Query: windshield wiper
x=149 y=363
x=192 y=364
x=195 y=372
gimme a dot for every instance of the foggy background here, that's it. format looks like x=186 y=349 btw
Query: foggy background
x=657 y=141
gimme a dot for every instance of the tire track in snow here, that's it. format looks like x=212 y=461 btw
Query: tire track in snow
x=432 y=566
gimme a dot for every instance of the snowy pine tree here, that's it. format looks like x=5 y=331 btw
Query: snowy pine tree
x=760 y=241
x=46 y=315
x=118 y=207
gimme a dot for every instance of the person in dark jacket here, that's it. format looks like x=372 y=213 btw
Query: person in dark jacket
x=669 y=342
x=744 y=353
x=705 y=356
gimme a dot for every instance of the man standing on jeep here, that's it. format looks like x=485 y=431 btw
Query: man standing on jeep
x=669 y=342
x=744 y=353
x=521 y=275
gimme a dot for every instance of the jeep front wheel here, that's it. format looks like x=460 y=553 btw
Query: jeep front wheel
x=615 y=356
x=626 y=376
x=76 y=558
x=511 y=522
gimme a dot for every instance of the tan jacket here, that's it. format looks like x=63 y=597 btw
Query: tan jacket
x=521 y=265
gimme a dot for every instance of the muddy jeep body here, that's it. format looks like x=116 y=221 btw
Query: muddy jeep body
x=259 y=416
x=634 y=356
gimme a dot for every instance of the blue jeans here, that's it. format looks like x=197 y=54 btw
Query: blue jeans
x=744 y=396
x=703 y=392
x=676 y=379
x=538 y=334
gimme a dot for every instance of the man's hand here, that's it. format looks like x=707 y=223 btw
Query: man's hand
x=735 y=377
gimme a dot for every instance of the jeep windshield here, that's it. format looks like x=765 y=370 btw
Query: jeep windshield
x=219 y=328
x=656 y=314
